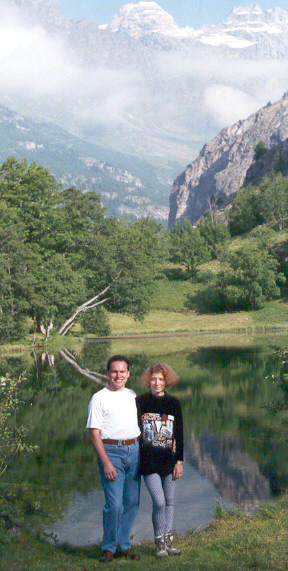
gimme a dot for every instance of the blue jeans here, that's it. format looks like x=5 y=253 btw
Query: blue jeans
x=121 y=496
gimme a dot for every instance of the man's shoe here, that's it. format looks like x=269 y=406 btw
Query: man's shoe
x=129 y=554
x=107 y=556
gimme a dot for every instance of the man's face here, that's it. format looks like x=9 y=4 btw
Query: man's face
x=118 y=375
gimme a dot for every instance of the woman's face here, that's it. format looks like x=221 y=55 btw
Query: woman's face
x=157 y=384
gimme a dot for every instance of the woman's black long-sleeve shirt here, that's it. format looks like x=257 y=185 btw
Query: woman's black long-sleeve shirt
x=160 y=422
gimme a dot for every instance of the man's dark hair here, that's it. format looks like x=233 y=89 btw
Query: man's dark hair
x=118 y=358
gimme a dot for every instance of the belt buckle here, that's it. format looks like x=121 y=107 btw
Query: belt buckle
x=124 y=442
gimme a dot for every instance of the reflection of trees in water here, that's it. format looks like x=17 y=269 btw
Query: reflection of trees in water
x=245 y=367
x=93 y=375
x=266 y=442
x=234 y=474
x=57 y=395
x=56 y=392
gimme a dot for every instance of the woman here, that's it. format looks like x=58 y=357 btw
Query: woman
x=161 y=425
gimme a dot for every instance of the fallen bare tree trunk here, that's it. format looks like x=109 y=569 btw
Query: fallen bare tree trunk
x=93 y=302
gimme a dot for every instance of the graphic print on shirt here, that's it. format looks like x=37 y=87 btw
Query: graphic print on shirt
x=158 y=429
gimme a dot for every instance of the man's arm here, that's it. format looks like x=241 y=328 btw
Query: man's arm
x=109 y=469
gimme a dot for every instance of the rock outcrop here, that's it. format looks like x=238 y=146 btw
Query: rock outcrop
x=221 y=167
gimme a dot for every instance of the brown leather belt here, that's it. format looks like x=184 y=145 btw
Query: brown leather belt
x=126 y=442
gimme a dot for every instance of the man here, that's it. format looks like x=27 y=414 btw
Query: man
x=114 y=432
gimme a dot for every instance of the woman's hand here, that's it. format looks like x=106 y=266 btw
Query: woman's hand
x=178 y=471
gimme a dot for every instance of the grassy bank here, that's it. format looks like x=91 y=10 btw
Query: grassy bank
x=171 y=313
x=232 y=542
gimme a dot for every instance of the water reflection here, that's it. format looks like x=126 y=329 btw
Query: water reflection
x=236 y=476
x=194 y=500
x=235 y=450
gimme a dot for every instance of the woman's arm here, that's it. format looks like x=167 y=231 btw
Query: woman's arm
x=178 y=470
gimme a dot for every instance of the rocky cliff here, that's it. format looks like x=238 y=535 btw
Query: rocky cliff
x=222 y=165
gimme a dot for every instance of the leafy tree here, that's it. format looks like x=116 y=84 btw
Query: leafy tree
x=188 y=247
x=16 y=281
x=273 y=199
x=214 y=233
x=125 y=256
x=96 y=322
x=32 y=191
x=76 y=216
x=57 y=290
x=244 y=214
x=250 y=278
x=259 y=150
x=66 y=252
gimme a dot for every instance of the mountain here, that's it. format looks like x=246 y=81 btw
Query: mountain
x=140 y=86
x=221 y=167
x=85 y=165
x=248 y=29
x=146 y=19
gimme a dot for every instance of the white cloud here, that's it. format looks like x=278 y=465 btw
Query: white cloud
x=226 y=105
x=175 y=94
x=36 y=66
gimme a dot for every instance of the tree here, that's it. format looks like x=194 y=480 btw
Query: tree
x=250 y=278
x=32 y=192
x=96 y=322
x=273 y=199
x=57 y=290
x=213 y=232
x=58 y=252
x=259 y=150
x=244 y=214
x=124 y=261
x=16 y=281
x=76 y=216
x=188 y=247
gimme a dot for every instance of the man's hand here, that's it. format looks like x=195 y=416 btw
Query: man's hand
x=109 y=469
x=110 y=472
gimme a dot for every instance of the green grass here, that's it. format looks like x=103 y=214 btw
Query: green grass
x=170 y=312
x=231 y=542
x=168 y=315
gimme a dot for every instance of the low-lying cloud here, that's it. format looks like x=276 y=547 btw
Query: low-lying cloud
x=37 y=66
x=172 y=95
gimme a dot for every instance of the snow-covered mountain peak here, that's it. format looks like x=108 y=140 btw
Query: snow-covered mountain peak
x=144 y=18
x=246 y=16
x=251 y=11
x=246 y=26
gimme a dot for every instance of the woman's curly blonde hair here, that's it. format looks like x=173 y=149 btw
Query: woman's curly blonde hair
x=169 y=375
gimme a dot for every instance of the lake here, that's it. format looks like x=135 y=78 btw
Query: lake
x=235 y=447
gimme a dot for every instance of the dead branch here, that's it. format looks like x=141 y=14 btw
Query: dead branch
x=85 y=307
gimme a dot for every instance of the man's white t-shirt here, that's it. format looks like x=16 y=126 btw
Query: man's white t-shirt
x=114 y=413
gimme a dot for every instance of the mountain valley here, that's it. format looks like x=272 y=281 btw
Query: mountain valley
x=140 y=94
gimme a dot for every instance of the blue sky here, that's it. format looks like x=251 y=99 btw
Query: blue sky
x=194 y=13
